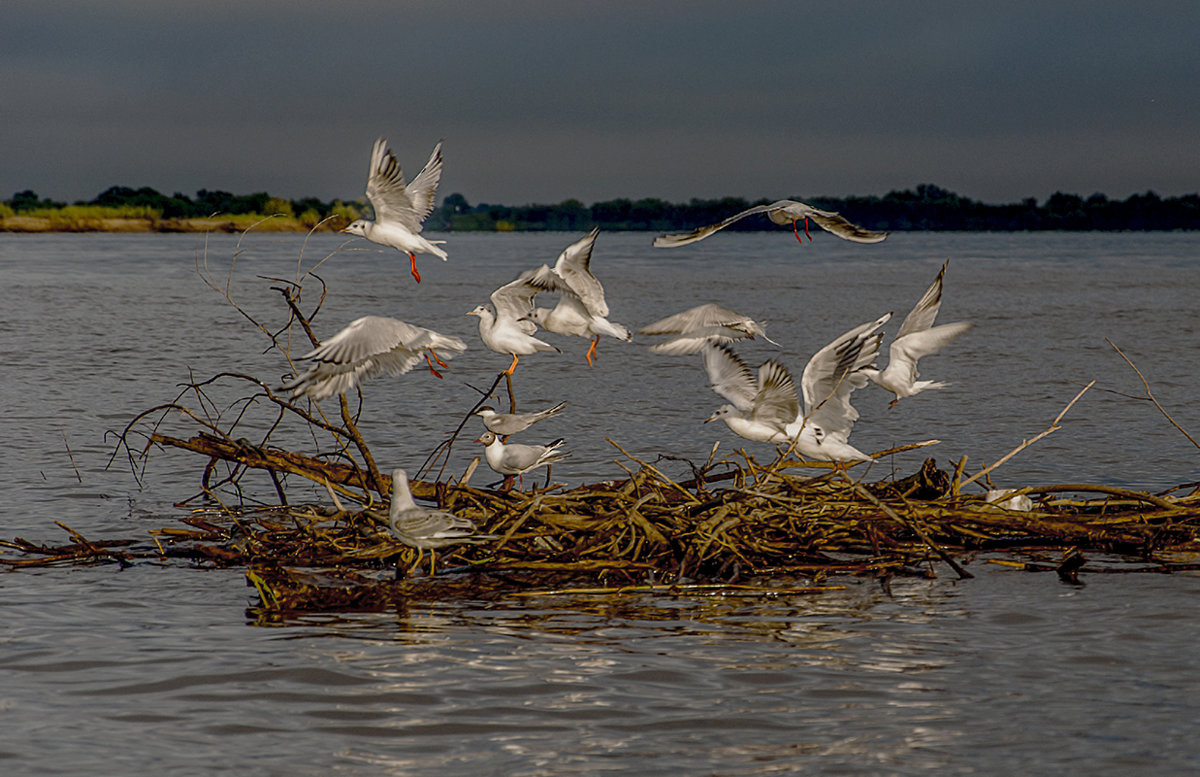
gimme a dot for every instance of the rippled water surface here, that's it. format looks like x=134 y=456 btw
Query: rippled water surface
x=159 y=670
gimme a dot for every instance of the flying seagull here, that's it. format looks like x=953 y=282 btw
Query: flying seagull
x=400 y=209
x=782 y=212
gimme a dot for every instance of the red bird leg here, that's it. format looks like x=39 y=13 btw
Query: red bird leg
x=412 y=258
x=806 y=229
x=511 y=367
x=436 y=374
x=591 y=351
x=436 y=359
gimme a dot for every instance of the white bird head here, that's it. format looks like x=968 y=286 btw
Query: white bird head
x=357 y=227
x=487 y=438
x=479 y=310
x=721 y=412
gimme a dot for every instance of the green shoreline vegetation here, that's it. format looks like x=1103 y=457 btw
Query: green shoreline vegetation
x=926 y=207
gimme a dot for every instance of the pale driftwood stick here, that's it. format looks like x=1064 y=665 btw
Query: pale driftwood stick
x=1140 y=496
x=959 y=468
x=863 y=492
x=1150 y=394
x=1025 y=444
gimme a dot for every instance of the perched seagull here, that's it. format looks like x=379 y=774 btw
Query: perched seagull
x=367 y=347
x=513 y=459
x=581 y=309
x=400 y=209
x=762 y=408
x=917 y=337
x=782 y=212
x=421 y=528
x=701 y=325
x=822 y=433
x=510 y=423
x=509 y=329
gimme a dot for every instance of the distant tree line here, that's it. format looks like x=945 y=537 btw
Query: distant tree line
x=927 y=207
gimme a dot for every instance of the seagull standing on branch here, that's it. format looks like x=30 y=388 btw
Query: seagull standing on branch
x=917 y=337
x=782 y=212
x=505 y=424
x=400 y=209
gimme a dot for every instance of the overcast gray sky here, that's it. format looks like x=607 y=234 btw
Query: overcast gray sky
x=544 y=100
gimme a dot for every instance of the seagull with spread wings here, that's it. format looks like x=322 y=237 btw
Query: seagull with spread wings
x=508 y=328
x=761 y=408
x=782 y=212
x=369 y=346
x=917 y=337
x=400 y=209
x=696 y=327
x=581 y=310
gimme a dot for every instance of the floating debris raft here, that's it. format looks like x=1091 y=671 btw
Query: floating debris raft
x=767 y=529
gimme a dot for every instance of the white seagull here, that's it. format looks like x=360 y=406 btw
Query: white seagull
x=511 y=423
x=400 y=209
x=509 y=329
x=762 y=408
x=512 y=459
x=696 y=327
x=421 y=528
x=581 y=310
x=782 y=212
x=822 y=433
x=917 y=337
x=367 y=347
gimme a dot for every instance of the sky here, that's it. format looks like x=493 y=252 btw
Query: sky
x=540 y=101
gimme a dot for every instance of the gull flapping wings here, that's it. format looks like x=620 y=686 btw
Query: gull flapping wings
x=695 y=327
x=367 y=347
x=918 y=337
x=833 y=373
x=781 y=212
x=770 y=399
x=393 y=200
x=514 y=301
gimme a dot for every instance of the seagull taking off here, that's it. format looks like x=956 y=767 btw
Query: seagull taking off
x=400 y=209
x=782 y=212
x=421 y=528
x=696 y=327
x=509 y=329
x=581 y=310
x=917 y=337
x=367 y=347
x=762 y=408
x=830 y=376
x=505 y=424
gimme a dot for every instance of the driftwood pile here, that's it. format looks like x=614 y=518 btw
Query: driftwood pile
x=759 y=528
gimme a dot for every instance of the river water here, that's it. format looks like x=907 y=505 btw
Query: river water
x=158 y=669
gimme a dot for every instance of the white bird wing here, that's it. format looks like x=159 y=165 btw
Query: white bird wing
x=574 y=267
x=830 y=377
x=699 y=317
x=922 y=315
x=514 y=300
x=776 y=402
x=730 y=377
x=392 y=199
x=674 y=241
x=692 y=341
x=904 y=352
x=367 y=347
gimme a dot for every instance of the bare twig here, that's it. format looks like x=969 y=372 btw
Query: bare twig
x=1026 y=443
x=1150 y=394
